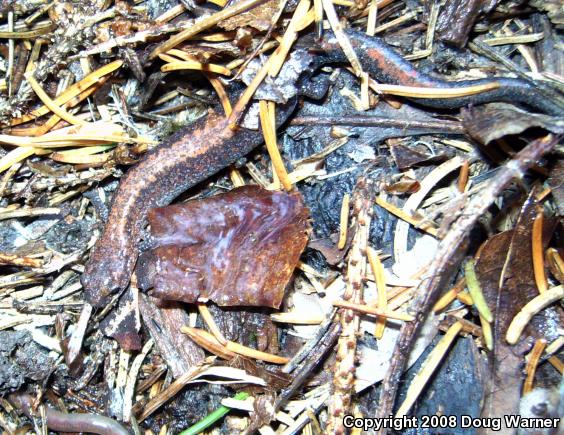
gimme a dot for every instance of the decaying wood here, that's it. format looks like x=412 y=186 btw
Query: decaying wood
x=162 y=319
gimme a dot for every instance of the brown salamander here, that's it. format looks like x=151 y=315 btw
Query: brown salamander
x=185 y=159
x=209 y=145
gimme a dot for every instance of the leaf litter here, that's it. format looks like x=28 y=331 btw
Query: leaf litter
x=88 y=89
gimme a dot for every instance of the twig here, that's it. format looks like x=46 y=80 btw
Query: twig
x=446 y=261
x=343 y=376
x=204 y=24
x=380 y=121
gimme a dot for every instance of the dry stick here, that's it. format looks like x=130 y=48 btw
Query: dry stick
x=204 y=24
x=343 y=376
x=380 y=121
x=446 y=262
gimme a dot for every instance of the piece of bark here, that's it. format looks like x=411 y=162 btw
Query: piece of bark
x=457 y=17
x=164 y=319
x=122 y=323
x=406 y=157
x=328 y=247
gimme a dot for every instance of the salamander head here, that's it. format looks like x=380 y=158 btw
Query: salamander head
x=104 y=276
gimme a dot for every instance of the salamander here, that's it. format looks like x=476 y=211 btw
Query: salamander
x=384 y=64
x=209 y=145
x=186 y=158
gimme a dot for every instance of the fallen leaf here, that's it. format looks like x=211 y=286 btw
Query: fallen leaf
x=493 y=121
x=237 y=248
x=505 y=272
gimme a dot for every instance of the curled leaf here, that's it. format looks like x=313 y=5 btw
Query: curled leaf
x=237 y=248
x=493 y=121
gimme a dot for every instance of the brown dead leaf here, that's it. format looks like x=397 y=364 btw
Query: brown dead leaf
x=407 y=157
x=123 y=323
x=493 y=121
x=506 y=275
x=237 y=248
